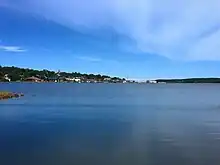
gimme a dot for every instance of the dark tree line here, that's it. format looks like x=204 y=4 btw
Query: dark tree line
x=16 y=74
x=191 y=80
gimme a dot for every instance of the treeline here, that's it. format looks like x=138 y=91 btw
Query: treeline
x=190 y=80
x=16 y=74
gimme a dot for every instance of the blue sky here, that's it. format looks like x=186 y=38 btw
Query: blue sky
x=133 y=39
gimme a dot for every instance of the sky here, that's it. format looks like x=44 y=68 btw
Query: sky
x=141 y=39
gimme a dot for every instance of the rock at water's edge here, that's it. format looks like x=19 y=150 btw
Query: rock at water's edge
x=8 y=95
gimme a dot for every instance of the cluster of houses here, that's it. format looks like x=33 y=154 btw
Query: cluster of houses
x=83 y=80
x=59 y=78
x=66 y=79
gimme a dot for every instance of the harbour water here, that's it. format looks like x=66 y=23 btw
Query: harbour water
x=110 y=124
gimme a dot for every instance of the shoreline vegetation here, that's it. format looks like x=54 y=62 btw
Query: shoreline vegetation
x=8 y=95
x=16 y=74
x=190 y=80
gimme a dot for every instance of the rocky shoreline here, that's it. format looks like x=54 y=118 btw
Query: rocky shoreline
x=9 y=95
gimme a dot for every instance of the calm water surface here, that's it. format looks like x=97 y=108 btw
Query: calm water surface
x=110 y=124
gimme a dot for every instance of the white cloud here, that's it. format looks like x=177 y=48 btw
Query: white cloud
x=175 y=29
x=15 y=49
x=207 y=48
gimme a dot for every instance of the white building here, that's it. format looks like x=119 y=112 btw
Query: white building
x=7 y=78
x=74 y=79
x=152 y=81
x=107 y=79
x=77 y=80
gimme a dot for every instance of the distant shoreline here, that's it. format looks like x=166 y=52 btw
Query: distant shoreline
x=190 y=80
x=15 y=74
x=169 y=83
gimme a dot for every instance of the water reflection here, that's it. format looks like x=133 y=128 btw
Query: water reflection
x=127 y=128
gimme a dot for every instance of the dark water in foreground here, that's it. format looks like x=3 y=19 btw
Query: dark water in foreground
x=110 y=124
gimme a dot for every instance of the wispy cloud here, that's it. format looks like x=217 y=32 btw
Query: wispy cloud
x=183 y=30
x=90 y=59
x=15 y=49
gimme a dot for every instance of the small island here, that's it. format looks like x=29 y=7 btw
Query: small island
x=9 y=95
